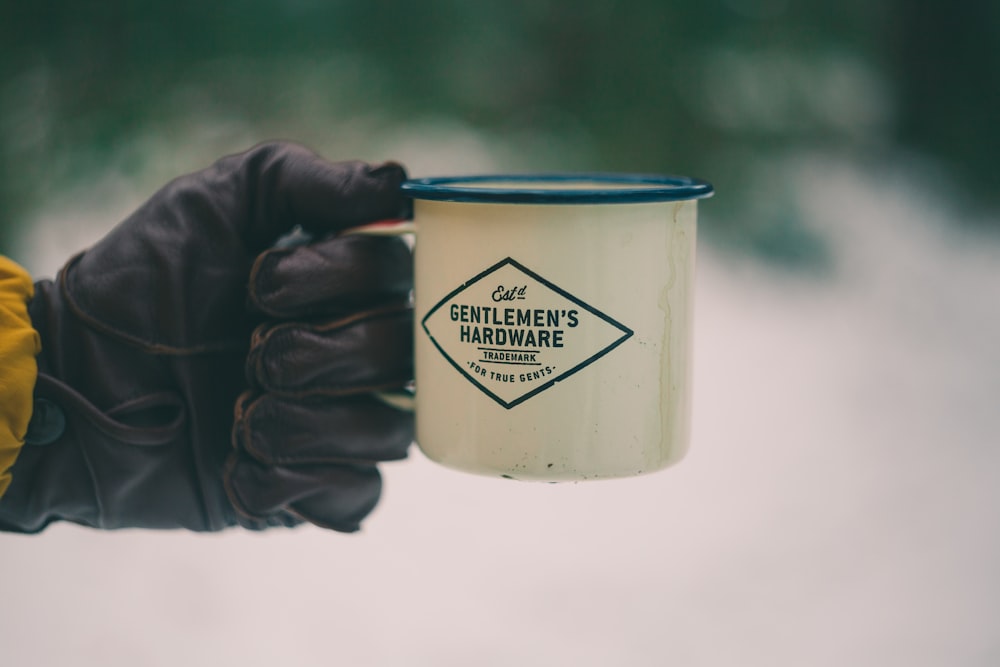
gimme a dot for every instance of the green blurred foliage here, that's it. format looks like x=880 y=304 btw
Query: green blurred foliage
x=721 y=89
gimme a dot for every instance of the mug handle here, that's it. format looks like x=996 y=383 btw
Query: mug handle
x=404 y=399
x=394 y=227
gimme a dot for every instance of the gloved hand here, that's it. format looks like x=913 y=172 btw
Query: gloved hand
x=194 y=375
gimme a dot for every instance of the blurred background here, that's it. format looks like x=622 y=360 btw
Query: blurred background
x=841 y=500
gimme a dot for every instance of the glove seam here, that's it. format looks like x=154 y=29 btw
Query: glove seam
x=131 y=339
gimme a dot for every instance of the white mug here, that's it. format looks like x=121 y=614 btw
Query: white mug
x=553 y=322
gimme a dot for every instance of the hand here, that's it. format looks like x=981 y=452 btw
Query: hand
x=194 y=375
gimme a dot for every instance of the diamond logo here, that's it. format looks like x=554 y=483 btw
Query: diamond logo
x=513 y=334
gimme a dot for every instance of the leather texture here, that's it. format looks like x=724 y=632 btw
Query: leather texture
x=210 y=376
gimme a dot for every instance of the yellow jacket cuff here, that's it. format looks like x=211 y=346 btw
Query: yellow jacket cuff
x=19 y=345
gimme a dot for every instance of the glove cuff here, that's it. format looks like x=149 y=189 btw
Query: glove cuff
x=122 y=456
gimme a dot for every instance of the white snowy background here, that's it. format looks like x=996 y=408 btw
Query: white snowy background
x=840 y=504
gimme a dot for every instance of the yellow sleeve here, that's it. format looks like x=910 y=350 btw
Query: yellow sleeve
x=19 y=344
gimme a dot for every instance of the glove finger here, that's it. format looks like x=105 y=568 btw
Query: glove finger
x=324 y=508
x=318 y=429
x=334 y=276
x=288 y=185
x=362 y=353
x=336 y=497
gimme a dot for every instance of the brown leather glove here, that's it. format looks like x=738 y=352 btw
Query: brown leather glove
x=195 y=375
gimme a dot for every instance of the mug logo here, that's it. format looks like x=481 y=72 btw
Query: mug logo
x=514 y=334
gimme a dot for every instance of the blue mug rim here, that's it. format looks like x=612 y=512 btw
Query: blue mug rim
x=646 y=188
